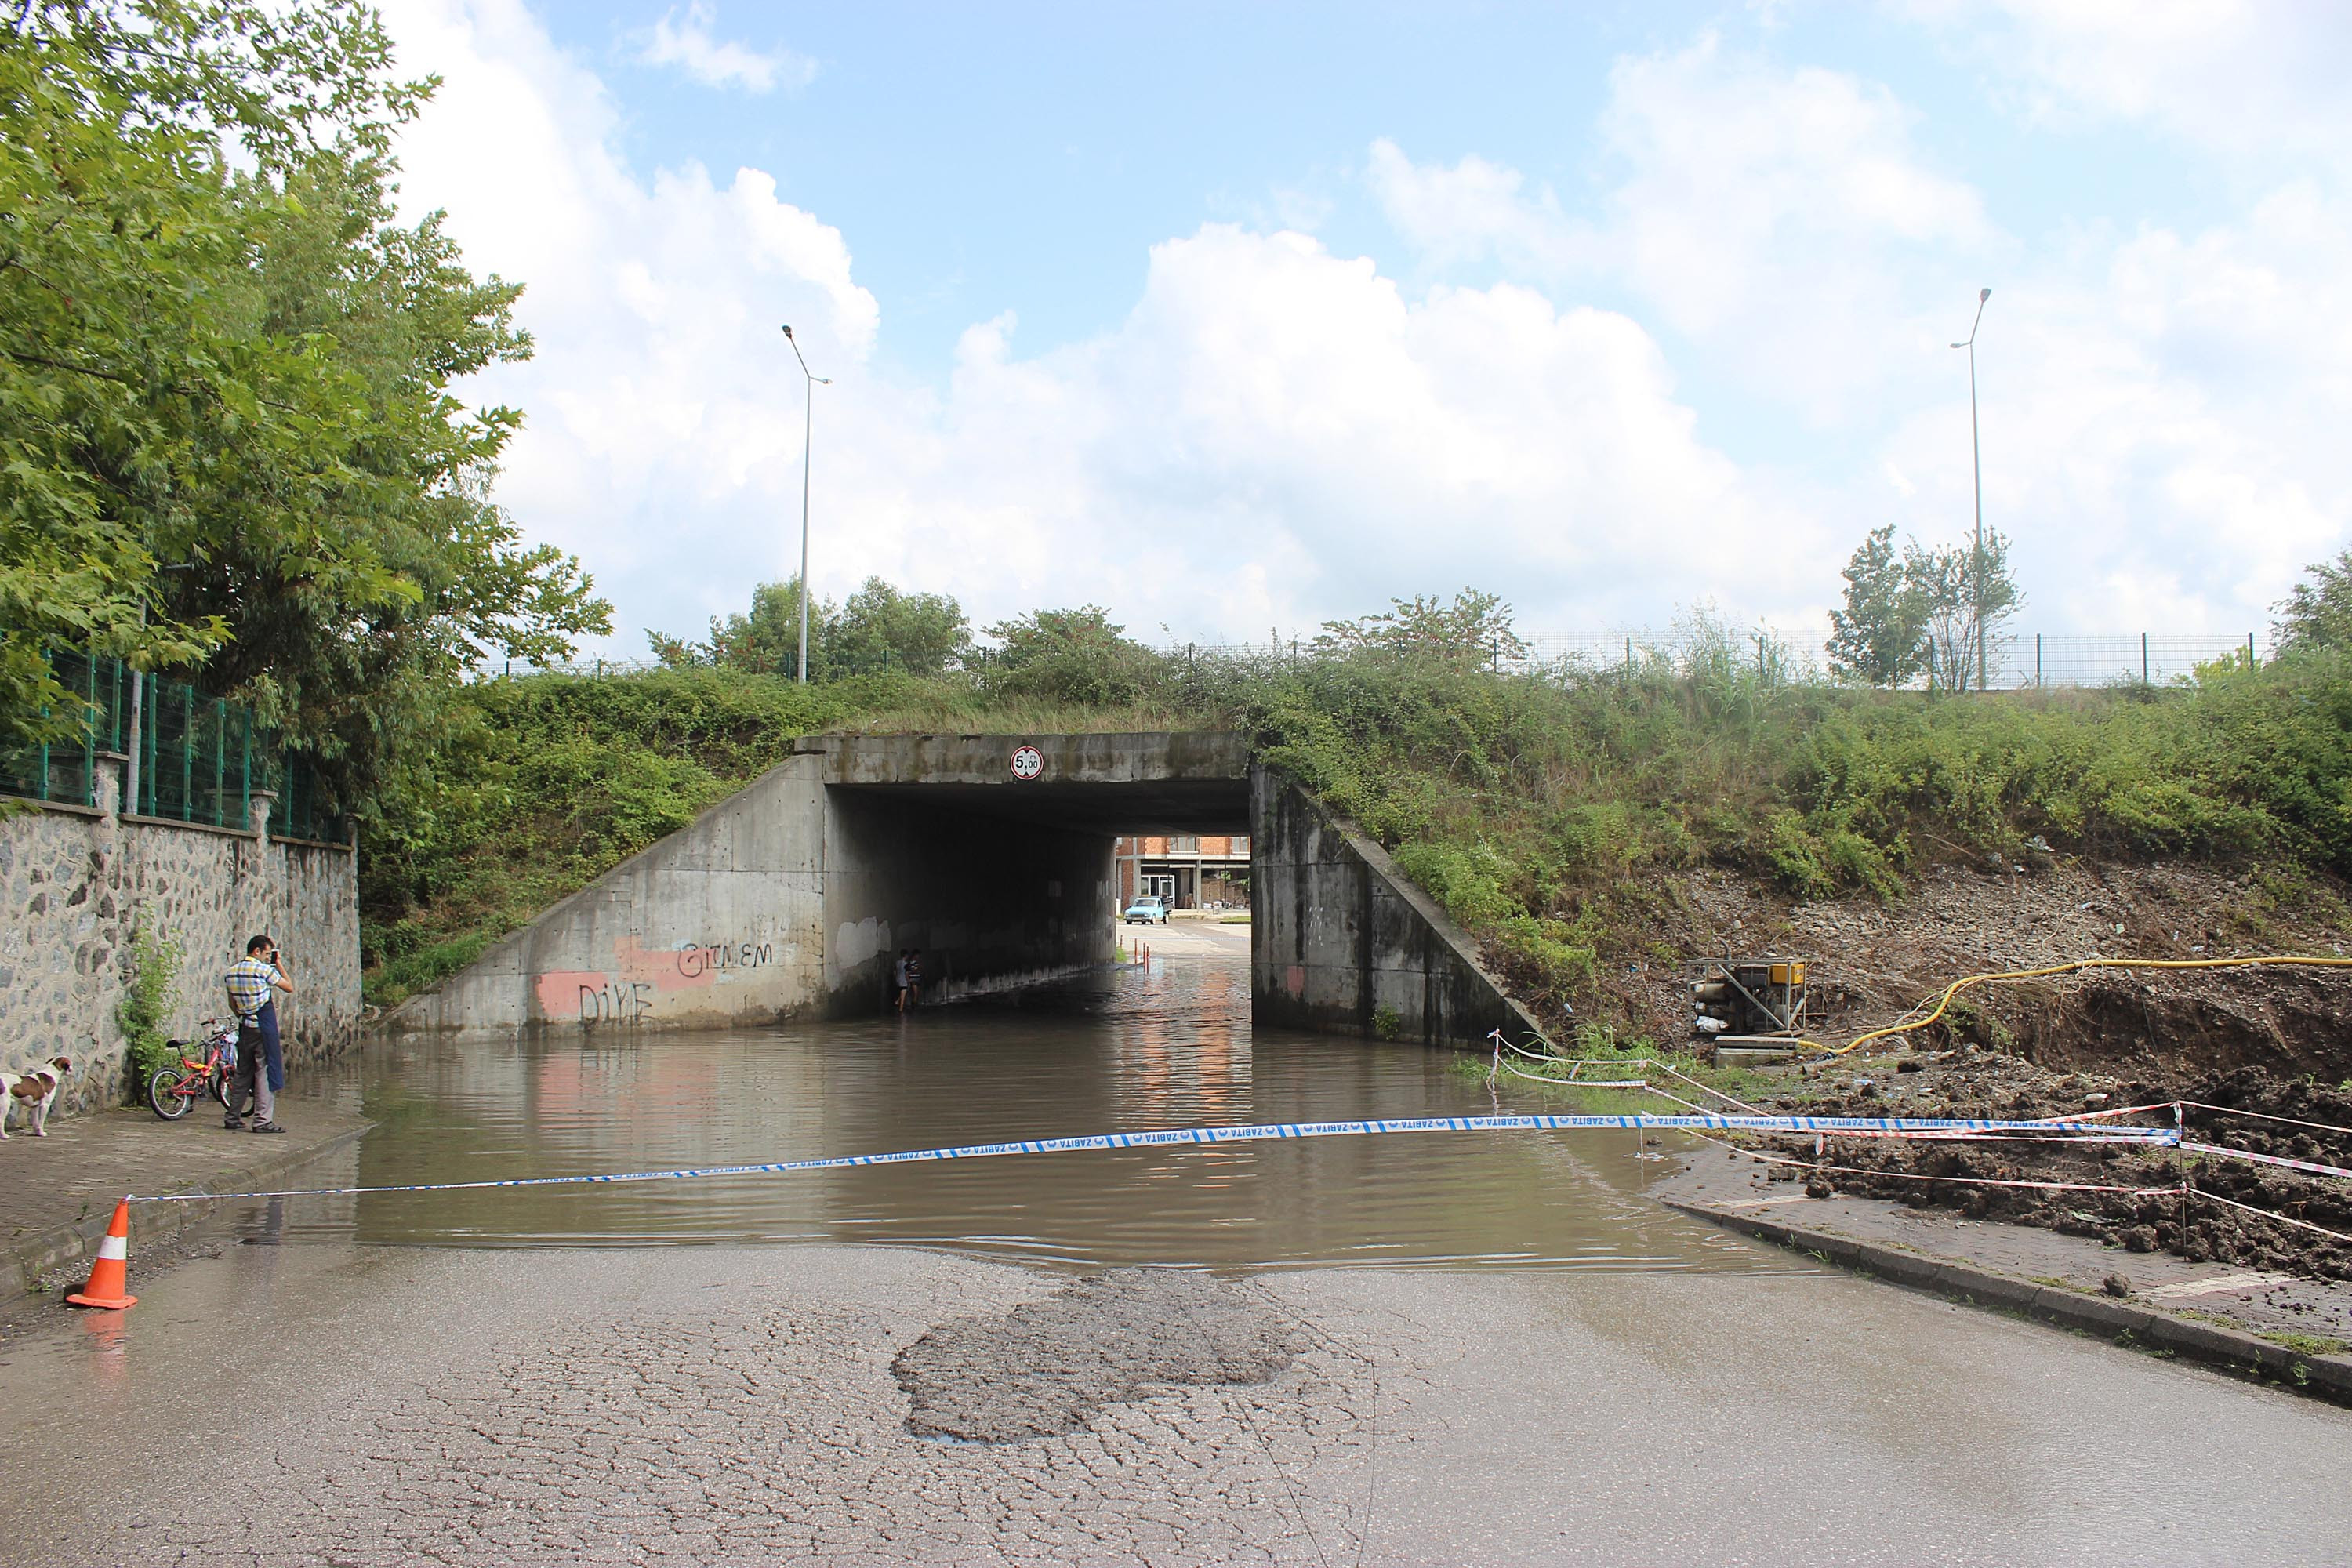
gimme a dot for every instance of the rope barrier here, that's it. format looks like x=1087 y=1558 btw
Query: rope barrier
x=2314 y=1166
x=2196 y=1190
x=2266 y=1116
x=1917 y=1176
x=2164 y=1137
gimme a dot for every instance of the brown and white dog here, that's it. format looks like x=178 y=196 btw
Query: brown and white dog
x=34 y=1088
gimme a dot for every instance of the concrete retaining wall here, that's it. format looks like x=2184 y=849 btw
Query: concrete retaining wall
x=1342 y=943
x=721 y=922
x=794 y=895
x=74 y=880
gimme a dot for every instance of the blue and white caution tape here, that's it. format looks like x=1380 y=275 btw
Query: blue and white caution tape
x=1881 y=1125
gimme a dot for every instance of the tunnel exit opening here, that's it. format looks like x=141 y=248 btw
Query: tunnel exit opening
x=1014 y=882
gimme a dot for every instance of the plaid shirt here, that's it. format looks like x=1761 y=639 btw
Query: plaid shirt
x=249 y=981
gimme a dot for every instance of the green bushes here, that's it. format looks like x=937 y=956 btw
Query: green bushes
x=146 y=1003
x=1539 y=810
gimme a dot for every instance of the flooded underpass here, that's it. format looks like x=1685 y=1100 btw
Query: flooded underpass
x=1164 y=1044
x=1463 y=1347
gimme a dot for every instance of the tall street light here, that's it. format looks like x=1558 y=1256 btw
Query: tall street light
x=1976 y=460
x=808 y=429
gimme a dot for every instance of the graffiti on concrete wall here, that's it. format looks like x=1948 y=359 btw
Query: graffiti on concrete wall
x=698 y=959
x=634 y=989
x=616 y=1002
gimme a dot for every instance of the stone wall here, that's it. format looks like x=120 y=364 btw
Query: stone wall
x=73 y=881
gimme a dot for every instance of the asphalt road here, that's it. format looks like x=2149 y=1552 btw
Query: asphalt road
x=347 y=1405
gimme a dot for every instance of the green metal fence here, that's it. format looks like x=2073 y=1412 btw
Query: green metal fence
x=200 y=758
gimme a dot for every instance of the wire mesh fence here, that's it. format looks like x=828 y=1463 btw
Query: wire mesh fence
x=201 y=759
x=2016 y=661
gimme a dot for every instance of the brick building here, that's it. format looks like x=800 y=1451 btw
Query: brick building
x=1191 y=871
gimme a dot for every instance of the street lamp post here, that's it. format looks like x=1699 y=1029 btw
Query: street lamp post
x=808 y=430
x=1976 y=462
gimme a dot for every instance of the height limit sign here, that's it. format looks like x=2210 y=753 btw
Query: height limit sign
x=1028 y=761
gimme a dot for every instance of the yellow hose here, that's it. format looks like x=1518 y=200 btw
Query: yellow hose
x=1962 y=983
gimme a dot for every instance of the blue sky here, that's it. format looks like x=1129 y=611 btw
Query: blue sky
x=1028 y=156
x=1234 y=318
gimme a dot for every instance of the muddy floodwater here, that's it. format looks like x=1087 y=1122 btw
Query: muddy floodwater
x=1416 y=1349
x=1166 y=1046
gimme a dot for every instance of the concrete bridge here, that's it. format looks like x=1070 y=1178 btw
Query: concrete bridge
x=990 y=853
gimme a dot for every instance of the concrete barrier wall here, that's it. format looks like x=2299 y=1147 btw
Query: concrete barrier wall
x=794 y=895
x=1342 y=942
x=73 y=882
x=721 y=924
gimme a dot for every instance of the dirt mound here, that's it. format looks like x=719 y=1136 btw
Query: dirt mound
x=2179 y=1024
x=2119 y=1195
x=2269 y=1040
x=1875 y=960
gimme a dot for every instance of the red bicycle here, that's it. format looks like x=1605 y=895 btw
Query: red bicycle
x=172 y=1091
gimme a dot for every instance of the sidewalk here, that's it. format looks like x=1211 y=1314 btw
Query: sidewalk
x=2282 y=1325
x=58 y=1193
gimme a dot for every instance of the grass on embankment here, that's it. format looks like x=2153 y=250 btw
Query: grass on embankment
x=1543 y=811
x=1546 y=814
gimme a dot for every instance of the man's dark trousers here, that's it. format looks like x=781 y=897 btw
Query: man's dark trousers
x=260 y=1067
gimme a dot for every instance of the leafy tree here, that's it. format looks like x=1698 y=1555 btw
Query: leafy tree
x=921 y=634
x=2316 y=614
x=355 y=592
x=1880 y=638
x=879 y=627
x=1070 y=656
x=767 y=641
x=1964 y=599
x=224 y=429
x=1475 y=629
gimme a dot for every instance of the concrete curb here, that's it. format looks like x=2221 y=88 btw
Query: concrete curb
x=2329 y=1377
x=23 y=1263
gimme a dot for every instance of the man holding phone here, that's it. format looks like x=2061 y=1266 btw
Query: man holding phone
x=261 y=1064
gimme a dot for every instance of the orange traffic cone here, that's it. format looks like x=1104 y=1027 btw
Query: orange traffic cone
x=112 y=1272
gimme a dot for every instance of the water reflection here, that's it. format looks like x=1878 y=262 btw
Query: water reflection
x=1128 y=1049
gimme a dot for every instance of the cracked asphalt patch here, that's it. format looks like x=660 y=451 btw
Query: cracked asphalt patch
x=1044 y=1368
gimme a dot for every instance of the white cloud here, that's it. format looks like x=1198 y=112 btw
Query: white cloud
x=1782 y=219
x=689 y=43
x=2234 y=75
x=1277 y=432
x=2159 y=409
x=1273 y=435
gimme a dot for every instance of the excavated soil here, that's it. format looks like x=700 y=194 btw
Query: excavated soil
x=2272 y=1040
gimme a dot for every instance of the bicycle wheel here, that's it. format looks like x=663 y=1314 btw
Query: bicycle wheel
x=164 y=1097
x=220 y=1077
